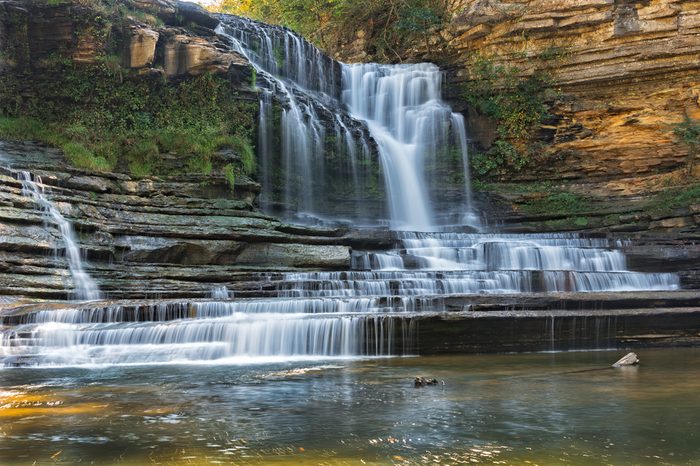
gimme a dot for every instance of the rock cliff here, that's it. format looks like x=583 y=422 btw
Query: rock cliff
x=627 y=71
x=623 y=74
x=183 y=235
x=149 y=37
x=184 y=229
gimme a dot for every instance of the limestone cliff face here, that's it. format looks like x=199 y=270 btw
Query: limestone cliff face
x=182 y=234
x=627 y=70
x=32 y=33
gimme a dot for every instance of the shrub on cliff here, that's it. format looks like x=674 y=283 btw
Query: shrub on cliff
x=687 y=133
x=517 y=104
x=395 y=23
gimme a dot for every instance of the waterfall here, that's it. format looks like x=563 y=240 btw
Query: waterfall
x=330 y=117
x=235 y=332
x=85 y=286
x=301 y=126
x=327 y=133
x=402 y=106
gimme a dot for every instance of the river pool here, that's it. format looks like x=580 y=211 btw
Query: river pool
x=545 y=408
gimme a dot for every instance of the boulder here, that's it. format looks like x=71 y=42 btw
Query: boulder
x=140 y=47
x=189 y=12
x=164 y=9
x=422 y=382
x=630 y=359
x=195 y=55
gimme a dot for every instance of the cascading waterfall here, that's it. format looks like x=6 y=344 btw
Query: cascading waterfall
x=402 y=107
x=300 y=124
x=85 y=288
x=245 y=331
x=321 y=124
x=330 y=117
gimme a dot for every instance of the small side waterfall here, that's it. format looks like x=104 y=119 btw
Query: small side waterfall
x=85 y=286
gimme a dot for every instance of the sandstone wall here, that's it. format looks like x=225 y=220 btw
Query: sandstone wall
x=627 y=71
x=34 y=33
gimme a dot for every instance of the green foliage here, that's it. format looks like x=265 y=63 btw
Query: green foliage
x=688 y=133
x=230 y=175
x=581 y=221
x=501 y=154
x=245 y=151
x=103 y=120
x=561 y=203
x=253 y=78
x=141 y=156
x=518 y=105
x=417 y=18
x=80 y=156
x=400 y=21
x=676 y=198
x=553 y=53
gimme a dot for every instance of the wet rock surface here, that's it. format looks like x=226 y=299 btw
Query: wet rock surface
x=434 y=326
x=145 y=230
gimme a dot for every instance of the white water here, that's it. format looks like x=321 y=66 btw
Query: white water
x=403 y=108
x=203 y=331
x=400 y=105
x=300 y=78
x=85 y=288
x=367 y=311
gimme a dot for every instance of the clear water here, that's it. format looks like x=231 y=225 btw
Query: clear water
x=559 y=408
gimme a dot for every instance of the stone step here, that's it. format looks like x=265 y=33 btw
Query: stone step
x=458 y=306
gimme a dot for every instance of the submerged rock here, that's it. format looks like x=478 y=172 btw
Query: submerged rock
x=422 y=381
x=630 y=359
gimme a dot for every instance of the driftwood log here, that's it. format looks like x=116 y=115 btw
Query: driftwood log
x=630 y=359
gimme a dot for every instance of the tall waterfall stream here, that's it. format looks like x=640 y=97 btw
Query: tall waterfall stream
x=310 y=105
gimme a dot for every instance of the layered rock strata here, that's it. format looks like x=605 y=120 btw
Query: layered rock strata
x=180 y=235
x=150 y=39
x=626 y=72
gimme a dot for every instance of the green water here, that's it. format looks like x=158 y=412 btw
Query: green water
x=497 y=409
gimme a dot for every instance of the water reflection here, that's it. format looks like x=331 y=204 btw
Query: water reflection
x=543 y=408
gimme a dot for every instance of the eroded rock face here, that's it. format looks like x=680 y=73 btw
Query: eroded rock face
x=167 y=231
x=140 y=47
x=627 y=71
x=33 y=35
x=185 y=54
x=176 y=13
